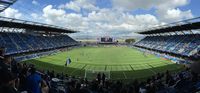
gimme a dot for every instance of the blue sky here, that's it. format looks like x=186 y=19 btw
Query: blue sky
x=118 y=18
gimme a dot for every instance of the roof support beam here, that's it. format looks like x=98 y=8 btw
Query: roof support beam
x=185 y=25
x=32 y=26
x=4 y=4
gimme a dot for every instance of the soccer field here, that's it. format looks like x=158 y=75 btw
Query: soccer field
x=116 y=62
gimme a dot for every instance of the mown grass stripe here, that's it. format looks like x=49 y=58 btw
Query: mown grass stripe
x=124 y=75
x=114 y=59
x=151 y=69
x=131 y=67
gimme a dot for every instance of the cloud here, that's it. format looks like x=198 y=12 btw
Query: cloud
x=37 y=18
x=34 y=2
x=133 y=4
x=116 y=21
x=170 y=4
x=147 y=4
x=77 y=5
x=12 y=13
x=167 y=10
x=176 y=14
x=34 y=15
x=99 y=23
x=73 y=6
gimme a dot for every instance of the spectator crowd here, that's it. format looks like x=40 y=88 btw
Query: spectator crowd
x=25 y=78
x=186 y=45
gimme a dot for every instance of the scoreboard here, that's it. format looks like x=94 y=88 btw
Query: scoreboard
x=106 y=40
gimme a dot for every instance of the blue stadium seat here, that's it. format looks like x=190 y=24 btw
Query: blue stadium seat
x=19 y=42
x=186 y=45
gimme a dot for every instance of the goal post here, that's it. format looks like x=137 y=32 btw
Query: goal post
x=92 y=74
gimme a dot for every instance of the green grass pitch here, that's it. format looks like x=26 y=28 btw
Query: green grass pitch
x=120 y=62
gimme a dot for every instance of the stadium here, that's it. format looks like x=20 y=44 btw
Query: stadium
x=39 y=57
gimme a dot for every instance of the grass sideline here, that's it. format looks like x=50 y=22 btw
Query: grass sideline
x=122 y=62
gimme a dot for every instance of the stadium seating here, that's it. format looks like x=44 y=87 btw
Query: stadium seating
x=185 y=81
x=187 y=45
x=19 y=43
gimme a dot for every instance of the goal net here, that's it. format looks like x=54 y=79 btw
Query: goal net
x=92 y=74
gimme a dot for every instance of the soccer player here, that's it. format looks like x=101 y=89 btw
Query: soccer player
x=68 y=61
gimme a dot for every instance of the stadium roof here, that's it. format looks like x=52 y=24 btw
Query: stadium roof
x=189 y=24
x=5 y=4
x=32 y=26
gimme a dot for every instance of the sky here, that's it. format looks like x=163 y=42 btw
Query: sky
x=97 y=18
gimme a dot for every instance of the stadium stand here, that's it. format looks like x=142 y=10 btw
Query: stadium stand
x=187 y=45
x=19 y=43
x=175 y=38
x=5 y=4
x=25 y=78
x=185 y=81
